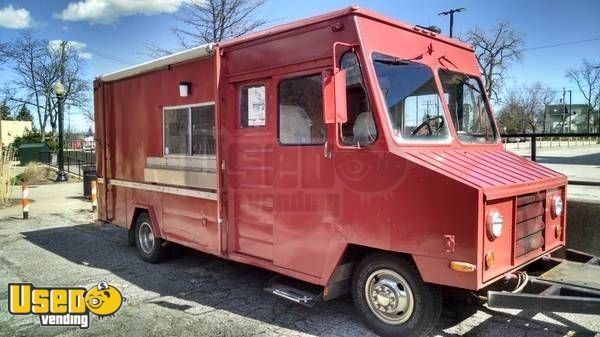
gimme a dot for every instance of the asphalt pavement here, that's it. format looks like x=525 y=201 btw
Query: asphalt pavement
x=195 y=294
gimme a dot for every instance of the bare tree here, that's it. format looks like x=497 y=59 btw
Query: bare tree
x=524 y=108
x=210 y=21
x=38 y=65
x=495 y=52
x=587 y=78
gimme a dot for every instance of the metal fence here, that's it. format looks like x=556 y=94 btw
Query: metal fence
x=77 y=154
x=556 y=137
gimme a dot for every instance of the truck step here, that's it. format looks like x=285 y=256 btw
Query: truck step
x=294 y=290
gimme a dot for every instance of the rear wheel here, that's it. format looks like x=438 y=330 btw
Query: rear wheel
x=391 y=297
x=150 y=247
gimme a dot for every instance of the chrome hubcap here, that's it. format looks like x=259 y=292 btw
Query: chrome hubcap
x=389 y=296
x=146 y=238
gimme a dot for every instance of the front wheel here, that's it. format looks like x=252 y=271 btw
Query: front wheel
x=391 y=297
x=150 y=247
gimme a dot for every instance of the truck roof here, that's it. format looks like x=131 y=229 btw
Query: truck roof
x=207 y=49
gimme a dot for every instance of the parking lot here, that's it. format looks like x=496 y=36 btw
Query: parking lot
x=197 y=294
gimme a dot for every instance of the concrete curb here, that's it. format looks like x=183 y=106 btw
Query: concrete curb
x=583 y=227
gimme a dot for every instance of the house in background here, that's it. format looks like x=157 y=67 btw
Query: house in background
x=576 y=122
x=9 y=130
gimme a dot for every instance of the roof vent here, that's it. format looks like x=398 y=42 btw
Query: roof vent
x=433 y=29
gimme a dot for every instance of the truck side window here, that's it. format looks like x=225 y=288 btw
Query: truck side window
x=252 y=106
x=360 y=128
x=189 y=131
x=203 y=130
x=301 y=111
x=176 y=133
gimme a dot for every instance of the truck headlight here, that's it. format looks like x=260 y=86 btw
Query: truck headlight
x=495 y=224
x=557 y=206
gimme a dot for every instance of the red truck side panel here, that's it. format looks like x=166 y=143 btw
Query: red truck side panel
x=132 y=128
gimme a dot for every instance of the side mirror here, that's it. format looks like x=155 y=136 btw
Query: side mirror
x=334 y=97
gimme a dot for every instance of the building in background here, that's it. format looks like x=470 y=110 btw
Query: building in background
x=9 y=130
x=558 y=119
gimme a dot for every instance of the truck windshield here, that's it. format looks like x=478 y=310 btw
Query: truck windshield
x=467 y=107
x=412 y=99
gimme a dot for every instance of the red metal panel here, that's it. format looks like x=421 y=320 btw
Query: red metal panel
x=100 y=140
x=136 y=112
x=502 y=246
x=487 y=169
x=551 y=238
x=190 y=221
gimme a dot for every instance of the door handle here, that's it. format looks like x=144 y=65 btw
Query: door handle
x=326 y=150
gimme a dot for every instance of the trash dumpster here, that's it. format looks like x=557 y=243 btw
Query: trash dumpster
x=34 y=152
x=89 y=174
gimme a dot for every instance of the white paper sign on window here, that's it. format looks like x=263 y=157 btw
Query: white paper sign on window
x=256 y=106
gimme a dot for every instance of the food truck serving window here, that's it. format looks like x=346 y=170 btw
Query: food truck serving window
x=189 y=130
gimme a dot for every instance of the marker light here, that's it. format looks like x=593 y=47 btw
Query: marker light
x=495 y=224
x=463 y=267
x=489 y=259
x=557 y=206
x=558 y=231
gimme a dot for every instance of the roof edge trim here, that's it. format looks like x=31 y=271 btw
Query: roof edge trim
x=186 y=55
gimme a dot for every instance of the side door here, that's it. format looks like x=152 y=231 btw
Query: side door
x=249 y=134
x=102 y=148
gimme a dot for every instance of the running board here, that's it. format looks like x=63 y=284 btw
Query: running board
x=293 y=290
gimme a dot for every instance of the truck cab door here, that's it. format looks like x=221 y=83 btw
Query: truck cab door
x=304 y=200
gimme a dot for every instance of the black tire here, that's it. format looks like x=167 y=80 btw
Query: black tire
x=158 y=250
x=131 y=236
x=418 y=319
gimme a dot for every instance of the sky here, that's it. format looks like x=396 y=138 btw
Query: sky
x=114 y=34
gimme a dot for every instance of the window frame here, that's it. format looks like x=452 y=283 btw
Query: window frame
x=305 y=74
x=189 y=114
x=370 y=101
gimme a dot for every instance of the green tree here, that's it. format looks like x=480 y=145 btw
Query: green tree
x=5 y=112
x=34 y=137
x=24 y=114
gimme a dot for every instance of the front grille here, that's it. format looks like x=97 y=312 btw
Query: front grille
x=529 y=227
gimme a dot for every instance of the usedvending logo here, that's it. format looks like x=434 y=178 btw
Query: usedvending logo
x=59 y=306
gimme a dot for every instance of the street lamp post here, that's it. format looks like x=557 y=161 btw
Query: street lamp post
x=59 y=90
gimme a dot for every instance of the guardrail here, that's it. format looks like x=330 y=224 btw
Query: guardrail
x=535 y=136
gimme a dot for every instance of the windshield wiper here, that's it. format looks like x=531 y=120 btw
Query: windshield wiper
x=462 y=81
x=385 y=59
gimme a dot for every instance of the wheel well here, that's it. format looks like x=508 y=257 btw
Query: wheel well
x=136 y=213
x=355 y=253
x=340 y=280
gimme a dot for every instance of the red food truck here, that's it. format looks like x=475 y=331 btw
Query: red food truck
x=347 y=152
